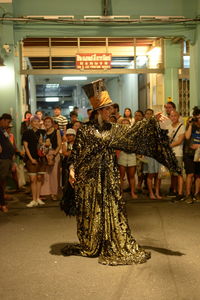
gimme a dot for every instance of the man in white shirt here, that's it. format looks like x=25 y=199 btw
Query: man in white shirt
x=176 y=132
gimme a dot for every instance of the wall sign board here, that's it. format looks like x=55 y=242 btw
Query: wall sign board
x=93 y=61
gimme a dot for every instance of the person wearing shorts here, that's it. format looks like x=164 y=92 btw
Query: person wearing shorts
x=192 y=168
x=127 y=166
x=35 y=163
x=152 y=167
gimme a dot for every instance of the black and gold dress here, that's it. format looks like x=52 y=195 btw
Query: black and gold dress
x=102 y=225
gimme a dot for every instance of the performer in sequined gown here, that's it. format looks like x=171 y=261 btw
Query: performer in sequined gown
x=102 y=225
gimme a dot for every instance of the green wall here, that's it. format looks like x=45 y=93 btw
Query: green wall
x=172 y=62
x=134 y=8
x=124 y=91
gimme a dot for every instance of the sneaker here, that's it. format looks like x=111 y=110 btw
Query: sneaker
x=40 y=202
x=33 y=203
x=196 y=198
x=180 y=197
x=188 y=199
x=171 y=194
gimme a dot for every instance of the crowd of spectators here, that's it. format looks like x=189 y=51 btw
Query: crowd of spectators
x=47 y=143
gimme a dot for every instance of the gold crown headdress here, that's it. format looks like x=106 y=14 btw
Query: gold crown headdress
x=97 y=94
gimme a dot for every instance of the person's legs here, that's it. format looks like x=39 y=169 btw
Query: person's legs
x=40 y=179
x=188 y=184
x=197 y=185
x=157 y=186
x=131 y=179
x=174 y=183
x=140 y=175
x=150 y=177
x=180 y=185
x=3 y=206
x=5 y=168
x=33 y=181
x=14 y=175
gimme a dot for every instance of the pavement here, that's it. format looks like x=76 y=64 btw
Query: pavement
x=32 y=266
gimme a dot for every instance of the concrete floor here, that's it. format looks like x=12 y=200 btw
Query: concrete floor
x=33 y=268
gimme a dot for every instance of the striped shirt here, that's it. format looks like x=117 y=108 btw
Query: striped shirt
x=62 y=121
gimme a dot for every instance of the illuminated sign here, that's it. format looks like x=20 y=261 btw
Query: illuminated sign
x=93 y=61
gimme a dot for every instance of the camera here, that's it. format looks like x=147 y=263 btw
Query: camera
x=193 y=120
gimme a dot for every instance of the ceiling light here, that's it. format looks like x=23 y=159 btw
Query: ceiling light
x=121 y=63
x=2 y=62
x=75 y=78
x=52 y=99
x=52 y=85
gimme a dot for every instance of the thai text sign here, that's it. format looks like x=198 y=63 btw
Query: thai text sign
x=93 y=61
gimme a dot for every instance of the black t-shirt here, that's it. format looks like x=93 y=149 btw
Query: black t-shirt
x=7 y=148
x=32 y=138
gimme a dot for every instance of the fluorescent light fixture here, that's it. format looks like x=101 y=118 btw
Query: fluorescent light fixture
x=121 y=63
x=52 y=85
x=75 y=78
x=52 y=99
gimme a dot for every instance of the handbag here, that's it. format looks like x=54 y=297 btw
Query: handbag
x=20 y=174
x=197 y=155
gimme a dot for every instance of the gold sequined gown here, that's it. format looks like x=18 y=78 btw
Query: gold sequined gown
x=102 y=225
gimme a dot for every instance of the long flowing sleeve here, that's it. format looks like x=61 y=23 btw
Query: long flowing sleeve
x=144 y=138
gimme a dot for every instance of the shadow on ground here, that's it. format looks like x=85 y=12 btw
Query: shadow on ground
x=67 y=249
x=164 y=251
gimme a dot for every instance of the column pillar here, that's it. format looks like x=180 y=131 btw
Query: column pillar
x=195 y=71
x=172 y=62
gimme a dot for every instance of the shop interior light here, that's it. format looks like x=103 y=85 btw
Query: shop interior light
x=141 y=60
x=2 y=62
x=52 y=85
x=52 y=99
x=75 y=78
x=121 y=63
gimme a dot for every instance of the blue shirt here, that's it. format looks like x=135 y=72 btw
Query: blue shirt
x=195 y=135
